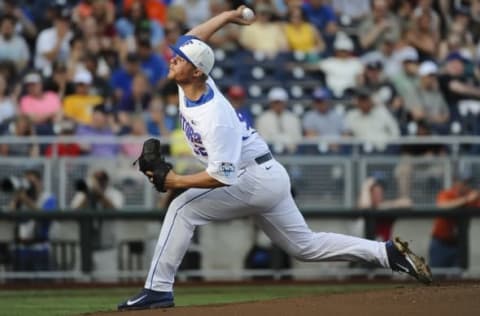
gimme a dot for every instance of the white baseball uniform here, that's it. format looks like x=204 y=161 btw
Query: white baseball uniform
x=257 y=185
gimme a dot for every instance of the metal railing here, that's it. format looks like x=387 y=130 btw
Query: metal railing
x=85 y=220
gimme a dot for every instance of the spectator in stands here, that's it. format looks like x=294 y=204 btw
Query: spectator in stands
x=444 y=247
x=136 y=18
x=44 y=108
x=406 y=81
x=227 y=37
x=24 y=25
x=102 y=11
x=379 y=23
x=32 y=249
x=371 y=122
x=351 y=13
x=152 y=64
x=372 y=197
x=322 y=120
x=173 y=30
x=405 y=169
x=383 y=91
x=156 y=10
x=20 y=127
x=59 y=81
x=156 y=120
x=302 y=36
x=14 y=47
x=390 y=53
x=122 y=77
x=98 y=128
x=456 y=85
x=423 y=38
x=78 y=106
x=430 y=105
x=64 y=128
x=196 y=11
x=343 y=69
x=137 y=129
x=135 y=102
x=96 y=193
x=322 y=15
x=100 y=85
x=236 y=95
x=8 y=107
x=53 y=43
x=278 y=126
x=273 y=40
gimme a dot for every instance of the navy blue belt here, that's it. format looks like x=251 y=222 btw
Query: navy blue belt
x=263 y=158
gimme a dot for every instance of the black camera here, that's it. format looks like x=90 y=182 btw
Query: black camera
x=15 y=184
x=81 y=185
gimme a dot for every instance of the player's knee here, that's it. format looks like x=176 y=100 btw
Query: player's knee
x=303 y=253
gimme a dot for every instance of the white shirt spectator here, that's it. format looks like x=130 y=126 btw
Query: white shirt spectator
x=46 y=41
x=14 y=49
x=341 y=73
x=376 y=127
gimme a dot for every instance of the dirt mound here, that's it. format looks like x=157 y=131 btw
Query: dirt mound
x=438 y=300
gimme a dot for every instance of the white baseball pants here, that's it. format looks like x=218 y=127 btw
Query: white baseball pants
x=262 y=191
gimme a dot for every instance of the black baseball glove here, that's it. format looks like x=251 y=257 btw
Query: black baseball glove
x=152 y=160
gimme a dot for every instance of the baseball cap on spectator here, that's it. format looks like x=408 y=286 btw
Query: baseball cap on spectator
x=456 y=56
x=427 y=68
x=362 y=91
x=374 y=64
x=277 y=94
x=408 y=54
x=195 y=52
x=62 y=12
x=236 y=91
x=343 y=42
x=320 y=94
x=83 y=77
x=32 y=78
x=100 y=108
x=133 y=57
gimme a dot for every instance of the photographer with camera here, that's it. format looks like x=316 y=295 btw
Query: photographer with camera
x=97 y=194
x=32 y=247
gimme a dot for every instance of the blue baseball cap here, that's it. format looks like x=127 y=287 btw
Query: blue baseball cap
x=321 y=94
x=456 y=56
x=195 y=51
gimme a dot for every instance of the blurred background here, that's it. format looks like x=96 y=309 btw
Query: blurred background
x=372 y=105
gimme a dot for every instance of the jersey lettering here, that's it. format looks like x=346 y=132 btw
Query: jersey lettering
x=193 y=137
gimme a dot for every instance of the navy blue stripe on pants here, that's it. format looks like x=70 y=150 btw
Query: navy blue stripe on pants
x=170 y=231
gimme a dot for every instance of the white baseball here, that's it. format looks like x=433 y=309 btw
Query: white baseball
x=247 y=14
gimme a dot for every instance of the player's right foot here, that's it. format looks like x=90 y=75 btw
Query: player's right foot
x=402 y=259
x=148 y=299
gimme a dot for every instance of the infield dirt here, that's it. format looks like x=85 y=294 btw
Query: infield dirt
x=438 y=300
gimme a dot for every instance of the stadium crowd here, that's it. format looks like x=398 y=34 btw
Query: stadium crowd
x=372 y=69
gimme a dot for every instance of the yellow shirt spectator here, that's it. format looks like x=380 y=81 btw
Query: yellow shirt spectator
x=301 y=38
x=79 y=107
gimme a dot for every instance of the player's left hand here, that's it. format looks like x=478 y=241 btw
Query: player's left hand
x=152 y=163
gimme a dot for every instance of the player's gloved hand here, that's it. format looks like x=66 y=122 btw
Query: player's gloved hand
x=152 y=160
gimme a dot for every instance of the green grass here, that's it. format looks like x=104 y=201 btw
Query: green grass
x=77 y=301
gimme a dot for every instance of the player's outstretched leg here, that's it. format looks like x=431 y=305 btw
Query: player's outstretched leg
x=285 y=225
x=402 y=259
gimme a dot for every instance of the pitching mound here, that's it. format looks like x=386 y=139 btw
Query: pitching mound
x=461 y=299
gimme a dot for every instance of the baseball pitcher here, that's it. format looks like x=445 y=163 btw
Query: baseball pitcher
x=241 y=178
